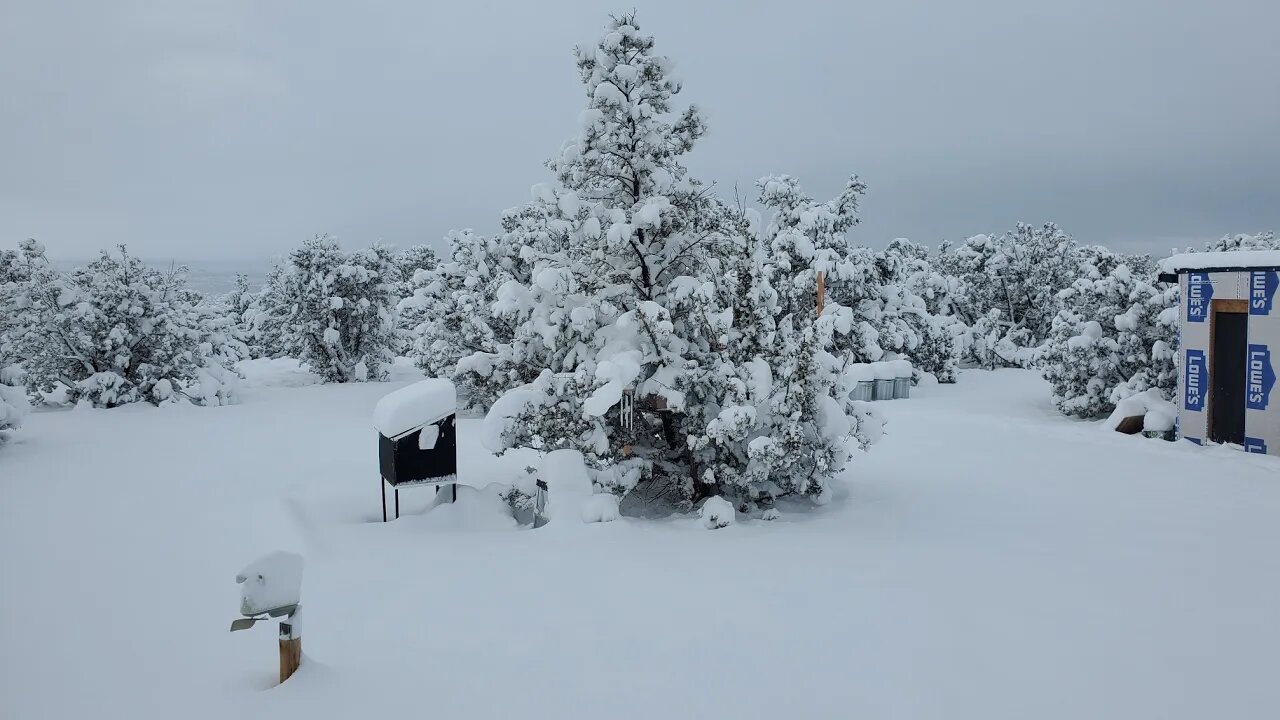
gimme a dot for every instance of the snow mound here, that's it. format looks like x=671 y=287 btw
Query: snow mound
x=859 y=372
x=884 y=370
x=1157 y=413
x=272 y=581
x=717 y=513
x=276 y=372
x=473 y=509
x=601 y=507
x=1230 y=259
x=414 y=406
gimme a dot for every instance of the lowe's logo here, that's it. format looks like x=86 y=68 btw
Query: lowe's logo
x=1261 y=377
x=1199 y=293
x=1197 y=371
x=1262 y=291
x=1255 y=445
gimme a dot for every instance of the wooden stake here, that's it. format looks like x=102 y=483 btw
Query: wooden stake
x=290 y=646
x=822 y=287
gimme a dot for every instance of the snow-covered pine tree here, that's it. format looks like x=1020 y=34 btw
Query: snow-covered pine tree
x=1114 y=335
x=632 y=292
x=806 y=237
x=13 y=399
x=114 y=332
x=450 y=313
x=410 y=261
x=922 y=297
x=334 y=311
x=1244 y=241
x=1011 y=285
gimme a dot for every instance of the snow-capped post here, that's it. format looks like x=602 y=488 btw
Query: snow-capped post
x=271 y=586
x=417 y=439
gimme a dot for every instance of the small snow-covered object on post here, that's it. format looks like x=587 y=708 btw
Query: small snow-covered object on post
x=411 y=407
x=717 y=513
x=271 y=584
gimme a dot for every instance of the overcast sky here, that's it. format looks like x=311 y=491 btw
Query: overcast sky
x=233 y=129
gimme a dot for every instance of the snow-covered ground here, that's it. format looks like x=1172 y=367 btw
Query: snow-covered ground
x=988 y=559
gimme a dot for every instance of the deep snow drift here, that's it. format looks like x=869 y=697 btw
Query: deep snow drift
x=988 y=559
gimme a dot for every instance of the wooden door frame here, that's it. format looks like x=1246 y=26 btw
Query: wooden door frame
x=1231 y=307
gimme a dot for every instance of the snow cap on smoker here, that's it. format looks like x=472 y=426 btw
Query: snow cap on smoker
x=411 y=407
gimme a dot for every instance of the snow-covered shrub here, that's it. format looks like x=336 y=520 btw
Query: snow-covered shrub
x=717 y=513
x=332 y=310
x=1244 y=241
x=112 y=333
x=13 y=407
x=1019 y=274
x=1115 y=336
x=647 y=325
x=449 y=315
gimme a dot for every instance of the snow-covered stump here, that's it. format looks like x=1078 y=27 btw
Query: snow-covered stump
x=417 y=439
x=271 y=586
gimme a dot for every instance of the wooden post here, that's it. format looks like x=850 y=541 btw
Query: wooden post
x=290 y=646
x=822 y=287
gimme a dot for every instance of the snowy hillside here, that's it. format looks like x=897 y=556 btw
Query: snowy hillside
x=988 y=559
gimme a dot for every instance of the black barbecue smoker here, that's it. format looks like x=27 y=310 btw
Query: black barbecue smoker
x=417 y=439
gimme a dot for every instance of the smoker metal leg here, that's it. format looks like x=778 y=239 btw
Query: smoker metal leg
x=397 y=503
x=383 y=484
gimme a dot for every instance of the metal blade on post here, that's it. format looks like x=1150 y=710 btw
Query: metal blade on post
x=243 y=623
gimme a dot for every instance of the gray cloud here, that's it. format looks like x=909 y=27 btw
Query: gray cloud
x=226 y=129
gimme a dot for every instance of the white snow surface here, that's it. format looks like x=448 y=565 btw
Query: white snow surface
x=1242 y=259
x=988 y=558
x=413 y=406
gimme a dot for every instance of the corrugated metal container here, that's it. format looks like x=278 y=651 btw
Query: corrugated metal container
x=864 y=390
x=901 y=379
x=883 y=389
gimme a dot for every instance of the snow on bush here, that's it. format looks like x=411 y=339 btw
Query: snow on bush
x=13 y=408
x=332 y=310
x=1114 y=336
x=450 y=315
x=114 y=332
x=717 y=513
x=600 y=508
x=667 y=337
x=1010 y=286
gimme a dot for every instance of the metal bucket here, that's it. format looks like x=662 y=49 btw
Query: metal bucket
x=883 y=389
x=864 y=390
x=901 y=388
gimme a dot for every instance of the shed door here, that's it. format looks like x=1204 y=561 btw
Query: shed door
x=1226 y=401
